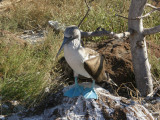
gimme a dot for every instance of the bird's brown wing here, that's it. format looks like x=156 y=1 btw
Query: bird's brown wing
x=91 y=52
x=95 y=66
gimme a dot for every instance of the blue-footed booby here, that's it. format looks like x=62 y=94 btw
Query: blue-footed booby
x=83 y=61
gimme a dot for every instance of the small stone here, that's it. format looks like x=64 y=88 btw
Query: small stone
x=2 y=117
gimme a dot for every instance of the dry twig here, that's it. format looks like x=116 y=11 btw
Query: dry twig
x=153 y=7
x=89 y=8
x=133 y=93
x=141 y=17
x=126 y=17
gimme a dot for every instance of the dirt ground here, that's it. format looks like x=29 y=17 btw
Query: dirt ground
x=118 y=59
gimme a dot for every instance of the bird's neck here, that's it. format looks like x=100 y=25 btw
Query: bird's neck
x=76 y=43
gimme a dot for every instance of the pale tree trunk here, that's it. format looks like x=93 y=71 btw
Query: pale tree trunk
x=139 y=49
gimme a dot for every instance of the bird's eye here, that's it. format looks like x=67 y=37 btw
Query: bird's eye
x=70 y=37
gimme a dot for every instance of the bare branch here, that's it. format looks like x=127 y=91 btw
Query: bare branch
x=89 y=8
x=149 y=31
x=58 y=27
x=146 y=15
x=153 y=7
x=124 y=17
x=105 y=33
x=137 y=18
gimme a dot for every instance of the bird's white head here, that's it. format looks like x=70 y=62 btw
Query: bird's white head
x=71 y=33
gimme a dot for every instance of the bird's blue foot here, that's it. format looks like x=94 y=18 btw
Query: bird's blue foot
x=74 y=91
x=90 y=92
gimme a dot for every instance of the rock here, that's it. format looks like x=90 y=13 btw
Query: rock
x=5 y=108
x=33 y=37
x=106 y=107
x=11 y=107
x=2 y=117
x=56 y=25
x=152 y=103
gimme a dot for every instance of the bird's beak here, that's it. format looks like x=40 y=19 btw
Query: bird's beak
x=65 y=40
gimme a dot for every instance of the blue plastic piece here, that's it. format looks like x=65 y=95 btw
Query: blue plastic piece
x=89 y=93
x=74 y=91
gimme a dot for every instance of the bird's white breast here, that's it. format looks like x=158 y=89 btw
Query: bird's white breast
x=75 y=57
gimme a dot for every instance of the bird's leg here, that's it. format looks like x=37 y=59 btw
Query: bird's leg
x=77 y=86
x=90 y=92
x=75 y=91
x=76 y=81
x=93 y=84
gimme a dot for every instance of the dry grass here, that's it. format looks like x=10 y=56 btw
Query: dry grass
x=26 y=69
